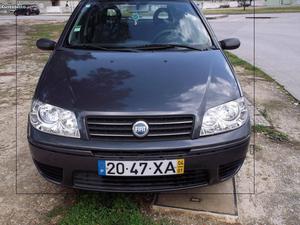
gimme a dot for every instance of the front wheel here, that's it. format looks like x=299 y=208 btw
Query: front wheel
x=15 y=13
x=27 y=13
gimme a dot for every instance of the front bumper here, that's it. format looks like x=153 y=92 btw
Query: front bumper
x=73 y=162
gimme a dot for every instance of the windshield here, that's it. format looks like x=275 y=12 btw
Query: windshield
x=138 y=23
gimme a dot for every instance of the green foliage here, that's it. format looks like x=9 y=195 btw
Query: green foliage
x=50 y=31
x=236 y=61
x=106 y=209
x=250 y=10
x=271 y=133
x=37 y=31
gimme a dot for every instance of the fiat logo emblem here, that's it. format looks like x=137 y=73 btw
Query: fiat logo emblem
x=140 y=129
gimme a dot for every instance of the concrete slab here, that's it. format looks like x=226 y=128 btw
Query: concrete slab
x=216 y=199
x=217 y=202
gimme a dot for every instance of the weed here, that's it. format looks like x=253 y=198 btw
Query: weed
x=106 y=209
x=271 y=132
x=258 y=148
x=264 y=113
x=50 y=31
x=236 y=61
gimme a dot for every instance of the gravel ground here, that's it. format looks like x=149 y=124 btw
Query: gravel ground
x=26 y=202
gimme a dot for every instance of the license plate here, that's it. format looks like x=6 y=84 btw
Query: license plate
x=140 y=168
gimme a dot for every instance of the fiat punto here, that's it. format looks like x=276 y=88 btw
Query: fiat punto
x=138 y=96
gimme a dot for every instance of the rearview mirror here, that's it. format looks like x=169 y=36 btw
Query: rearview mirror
x=45 y=44
x=230 y=43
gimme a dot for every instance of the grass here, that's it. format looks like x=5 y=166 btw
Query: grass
x=271 y=133
x=104 y=209
x=249 y=68
x=50 y=31
x=250 y=10
x=37 y=31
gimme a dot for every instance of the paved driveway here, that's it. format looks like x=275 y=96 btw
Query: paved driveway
x=277 y=49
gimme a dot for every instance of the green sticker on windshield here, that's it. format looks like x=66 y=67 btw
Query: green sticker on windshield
x=77 y=28
x=135 y=17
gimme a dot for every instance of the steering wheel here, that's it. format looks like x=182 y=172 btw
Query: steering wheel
x=168 y=35
x=157 y=20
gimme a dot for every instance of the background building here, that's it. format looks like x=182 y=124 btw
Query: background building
x=47 y=6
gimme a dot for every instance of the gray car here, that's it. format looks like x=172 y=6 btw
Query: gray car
x=138 y=96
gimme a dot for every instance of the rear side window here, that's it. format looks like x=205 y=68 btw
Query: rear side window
x=129 y=24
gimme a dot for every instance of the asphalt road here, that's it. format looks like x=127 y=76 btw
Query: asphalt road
x=277 y=44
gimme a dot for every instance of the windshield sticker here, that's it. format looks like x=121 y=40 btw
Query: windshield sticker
x=135 y=17
x=77 y=28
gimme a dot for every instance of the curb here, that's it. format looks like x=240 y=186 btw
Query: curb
x=55 y=14
x=230 y=219
x=214 y=17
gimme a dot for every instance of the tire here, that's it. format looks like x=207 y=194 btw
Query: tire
x=15 y=13
x=27 y=13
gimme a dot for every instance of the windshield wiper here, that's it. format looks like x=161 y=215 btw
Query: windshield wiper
x=103 y=48
x=168 y=46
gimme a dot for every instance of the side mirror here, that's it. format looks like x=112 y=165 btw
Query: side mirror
x=45 y=44
x=230 y=43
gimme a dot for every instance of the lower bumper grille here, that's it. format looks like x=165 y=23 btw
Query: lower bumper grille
x=51 y=172
x=229 y=169
x=91 y=180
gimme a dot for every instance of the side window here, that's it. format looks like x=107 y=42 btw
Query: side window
x=79 y=29
x=111 y=12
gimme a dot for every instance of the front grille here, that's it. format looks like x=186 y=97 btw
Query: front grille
x=51 y=172
x=91 y=180
x=229 y=169
x=120 y=127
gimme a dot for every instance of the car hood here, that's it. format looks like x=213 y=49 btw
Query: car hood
x=158 y=81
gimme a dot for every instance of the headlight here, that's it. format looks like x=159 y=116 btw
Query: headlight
x=54 y=120
x=225 y=117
